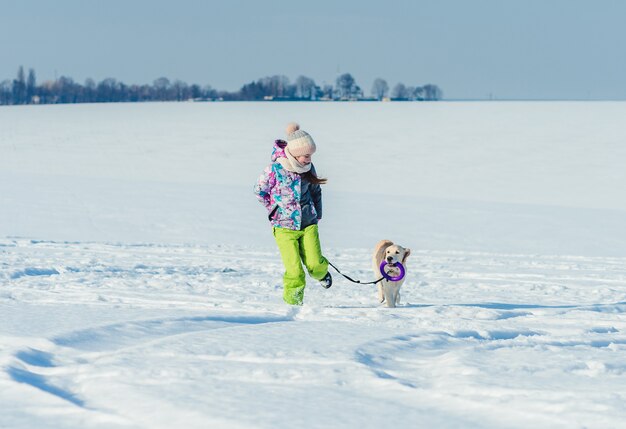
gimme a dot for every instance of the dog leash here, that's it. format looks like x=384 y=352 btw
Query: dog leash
x=352 y=280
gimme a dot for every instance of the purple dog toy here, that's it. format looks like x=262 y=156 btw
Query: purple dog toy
x=387 y=276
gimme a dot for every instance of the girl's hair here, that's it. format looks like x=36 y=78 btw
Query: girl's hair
x=312 y=178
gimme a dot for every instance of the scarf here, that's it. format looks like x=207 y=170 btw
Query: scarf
x=291 y=164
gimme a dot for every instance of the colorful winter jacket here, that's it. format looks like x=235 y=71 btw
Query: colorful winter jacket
x=280 y=191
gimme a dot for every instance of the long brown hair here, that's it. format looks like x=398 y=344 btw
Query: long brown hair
x=312 y=178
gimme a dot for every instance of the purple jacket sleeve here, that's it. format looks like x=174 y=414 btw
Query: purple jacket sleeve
x=264 y=186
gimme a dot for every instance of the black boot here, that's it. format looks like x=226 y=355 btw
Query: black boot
x=327 y=281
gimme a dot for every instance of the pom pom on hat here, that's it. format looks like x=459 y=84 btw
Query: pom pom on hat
x=292 y=128
x=299 y=142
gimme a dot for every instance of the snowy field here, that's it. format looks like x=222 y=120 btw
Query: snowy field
x=140 y=286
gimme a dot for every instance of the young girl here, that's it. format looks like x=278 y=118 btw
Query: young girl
x=290 y=191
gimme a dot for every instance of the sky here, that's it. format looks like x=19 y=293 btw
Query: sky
x=480 y=49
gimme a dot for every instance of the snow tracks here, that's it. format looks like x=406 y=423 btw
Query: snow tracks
x=153 y=336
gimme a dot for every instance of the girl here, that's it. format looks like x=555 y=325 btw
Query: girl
x=290 y=191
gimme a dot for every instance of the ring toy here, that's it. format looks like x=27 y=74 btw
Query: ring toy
x=392 y=278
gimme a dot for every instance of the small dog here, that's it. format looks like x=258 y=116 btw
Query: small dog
x=389 y=291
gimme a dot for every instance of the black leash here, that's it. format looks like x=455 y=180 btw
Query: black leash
x=352 y=280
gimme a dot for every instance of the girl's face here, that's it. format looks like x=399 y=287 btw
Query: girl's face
x=304 y=159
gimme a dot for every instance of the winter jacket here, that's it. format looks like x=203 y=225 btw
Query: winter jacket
x=291 y=202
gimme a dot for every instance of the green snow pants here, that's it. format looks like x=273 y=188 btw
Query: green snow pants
x=297 y=247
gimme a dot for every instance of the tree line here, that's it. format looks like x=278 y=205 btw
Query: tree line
x=25 y=90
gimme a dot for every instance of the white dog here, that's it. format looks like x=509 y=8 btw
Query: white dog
x=389 y=291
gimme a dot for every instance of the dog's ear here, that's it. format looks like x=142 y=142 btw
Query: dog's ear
x=380 y=248
x=407 y=252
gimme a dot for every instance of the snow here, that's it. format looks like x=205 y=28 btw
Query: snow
x=140 y=286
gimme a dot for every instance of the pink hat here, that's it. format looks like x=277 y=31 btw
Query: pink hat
x=299 y=142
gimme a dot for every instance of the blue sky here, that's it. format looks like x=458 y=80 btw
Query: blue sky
x=532 y=49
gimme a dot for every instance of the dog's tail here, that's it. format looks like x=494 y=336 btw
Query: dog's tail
x=379 y=250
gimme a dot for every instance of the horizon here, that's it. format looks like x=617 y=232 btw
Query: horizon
x=367 y=96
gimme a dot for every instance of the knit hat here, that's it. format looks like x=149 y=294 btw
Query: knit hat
x=299 y=142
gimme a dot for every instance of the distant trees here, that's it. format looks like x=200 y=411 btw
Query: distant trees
x=31 y=85
x=347 y=89
x=161 y=88
x=432 y=92
x=380 y=89
x=6 y=92
x=277 y=87
x=328 y=92
x=345 y=85
x=19 y=87
x=400 y=92
x=428 y=92
x=305 y=88
x=25 y=90
x=266 y=88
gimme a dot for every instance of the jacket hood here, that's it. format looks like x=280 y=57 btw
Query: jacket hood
x=279 y=150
